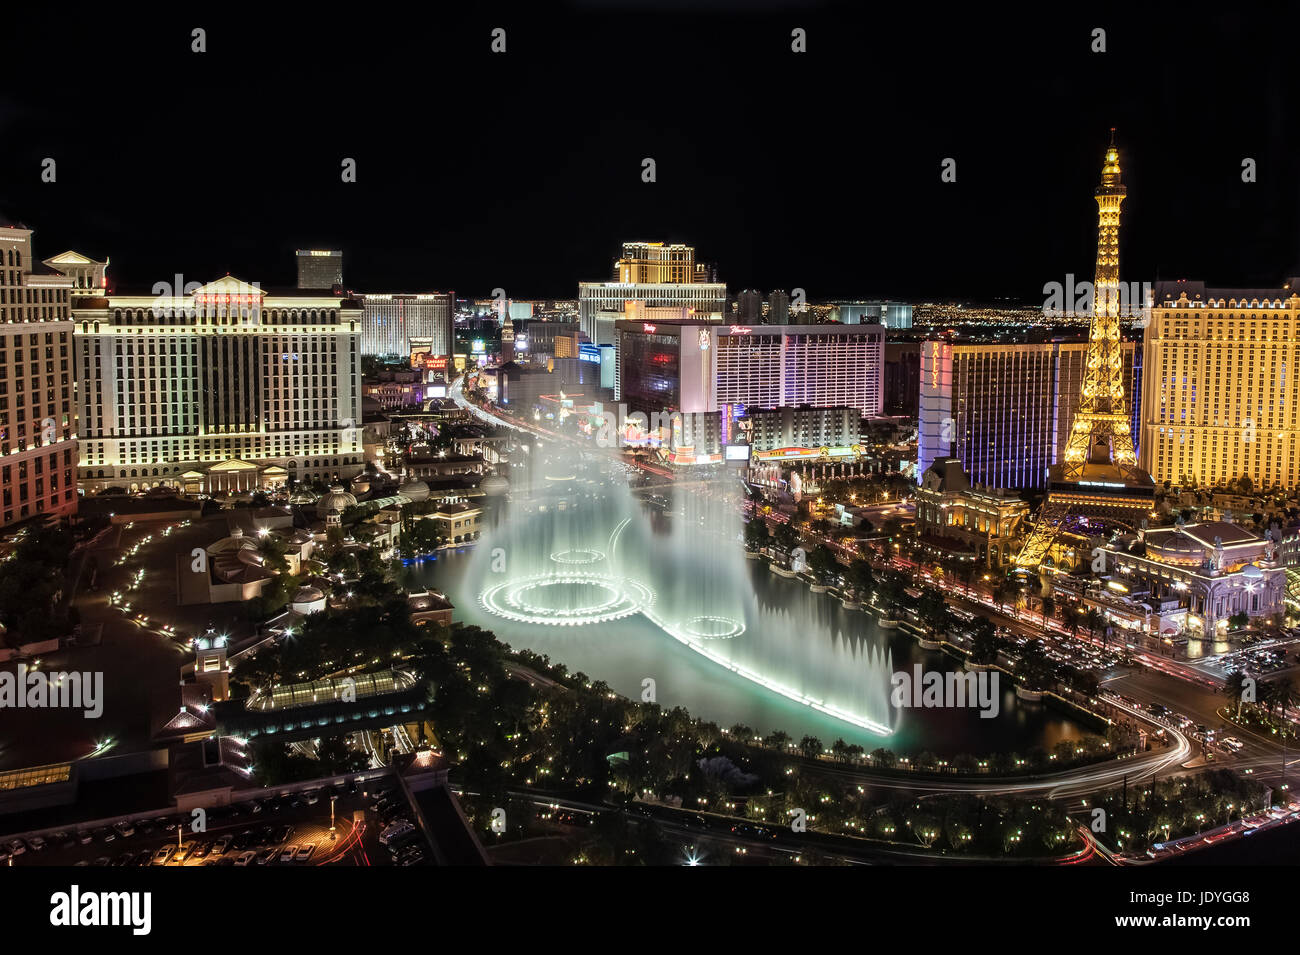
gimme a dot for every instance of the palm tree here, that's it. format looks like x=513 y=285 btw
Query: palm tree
x=1235 y=686
x=810 y=746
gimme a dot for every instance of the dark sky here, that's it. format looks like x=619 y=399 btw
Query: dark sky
x=522 y=170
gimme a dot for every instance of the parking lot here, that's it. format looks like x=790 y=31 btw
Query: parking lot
x=290 y=829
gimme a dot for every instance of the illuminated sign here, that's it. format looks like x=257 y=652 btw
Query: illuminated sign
x=704 y=339
x=741 y=330
x=589 y=353
x=650 y=329
x=477 y=347
x=737 y=452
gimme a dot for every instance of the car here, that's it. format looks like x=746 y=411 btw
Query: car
x=85 y=837
x=267 y=855
x=284 y=833
x=1233 y=743
x=255 y=807
x=186 y=851
x=102 y=861
x=311 y=798
x=394 y=832
x=304 y=852
x=16 y=847
x=164 y=855
x=124 y=859
x=288 y=853
x=37 y=843
x=124 y=829
x=105 y=835
x=221 y=845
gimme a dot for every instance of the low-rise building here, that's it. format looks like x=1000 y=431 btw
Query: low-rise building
x=970 y=523
x=1214 y=570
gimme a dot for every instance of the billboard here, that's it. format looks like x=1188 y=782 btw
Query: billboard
x=737 y=452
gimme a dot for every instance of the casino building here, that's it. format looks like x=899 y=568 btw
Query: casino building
x=1198 y=575
x=228 y=388
x=38 y=428
x=1005 y=410
x=1221 y=400
x=706 y=372
x=397 y=324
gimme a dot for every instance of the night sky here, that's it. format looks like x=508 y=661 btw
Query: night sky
x=522 y=170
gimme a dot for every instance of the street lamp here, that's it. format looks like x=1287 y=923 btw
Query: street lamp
x=333 y=832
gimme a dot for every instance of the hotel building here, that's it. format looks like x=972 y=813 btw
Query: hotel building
x=392 y=324
x=1004 y=411
x=774 y=429
x=1224 y=367
x=1193 y=577
x=38 y=427
x=701 y=369
x=319 y=268
x=227 y=388
x=652 y=282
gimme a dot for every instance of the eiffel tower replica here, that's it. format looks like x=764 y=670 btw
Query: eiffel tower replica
x=1099 y=479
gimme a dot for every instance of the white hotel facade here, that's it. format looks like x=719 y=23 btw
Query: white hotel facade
x=228 y=388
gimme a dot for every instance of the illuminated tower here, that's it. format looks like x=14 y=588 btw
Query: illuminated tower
x=1099 y=482
x=1102 y=431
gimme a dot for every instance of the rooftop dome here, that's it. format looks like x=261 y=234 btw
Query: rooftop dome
x=232 y=544
x=494 y=485
x=336 y=500
x=307 y=595
x=415 y=490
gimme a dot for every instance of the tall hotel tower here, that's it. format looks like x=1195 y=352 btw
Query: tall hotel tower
x=38 y=428
x=1221 y=402
x=1099 y=477
x=652 y=282
x=227 y=388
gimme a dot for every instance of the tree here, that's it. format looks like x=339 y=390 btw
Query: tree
x=985 y=644
x=823 y=563
x=810 y=746
x=861 y=577
x=756 y=535
x=787 y=537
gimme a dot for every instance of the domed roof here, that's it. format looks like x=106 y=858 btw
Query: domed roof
x=1251 y=572
x=232 y=544
x=336 y=500
x=306 y=595
x=415 y=490
x=494 y=485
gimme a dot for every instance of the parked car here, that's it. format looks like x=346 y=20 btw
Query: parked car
x=304 y=852
x=164 y=855
x=288 y=853
x=246 y=858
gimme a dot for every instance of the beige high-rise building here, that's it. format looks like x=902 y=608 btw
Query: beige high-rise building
x=1222 y=371
x=654 y=263
x=38 y=428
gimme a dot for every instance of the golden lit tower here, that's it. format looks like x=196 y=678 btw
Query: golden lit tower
x=1102 y=431
x=1099 y=478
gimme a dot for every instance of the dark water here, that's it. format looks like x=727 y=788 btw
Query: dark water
x=626 y=652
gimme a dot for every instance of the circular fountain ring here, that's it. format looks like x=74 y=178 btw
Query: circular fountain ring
x=577 y=556
x=711 y=627
x=518 y=599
